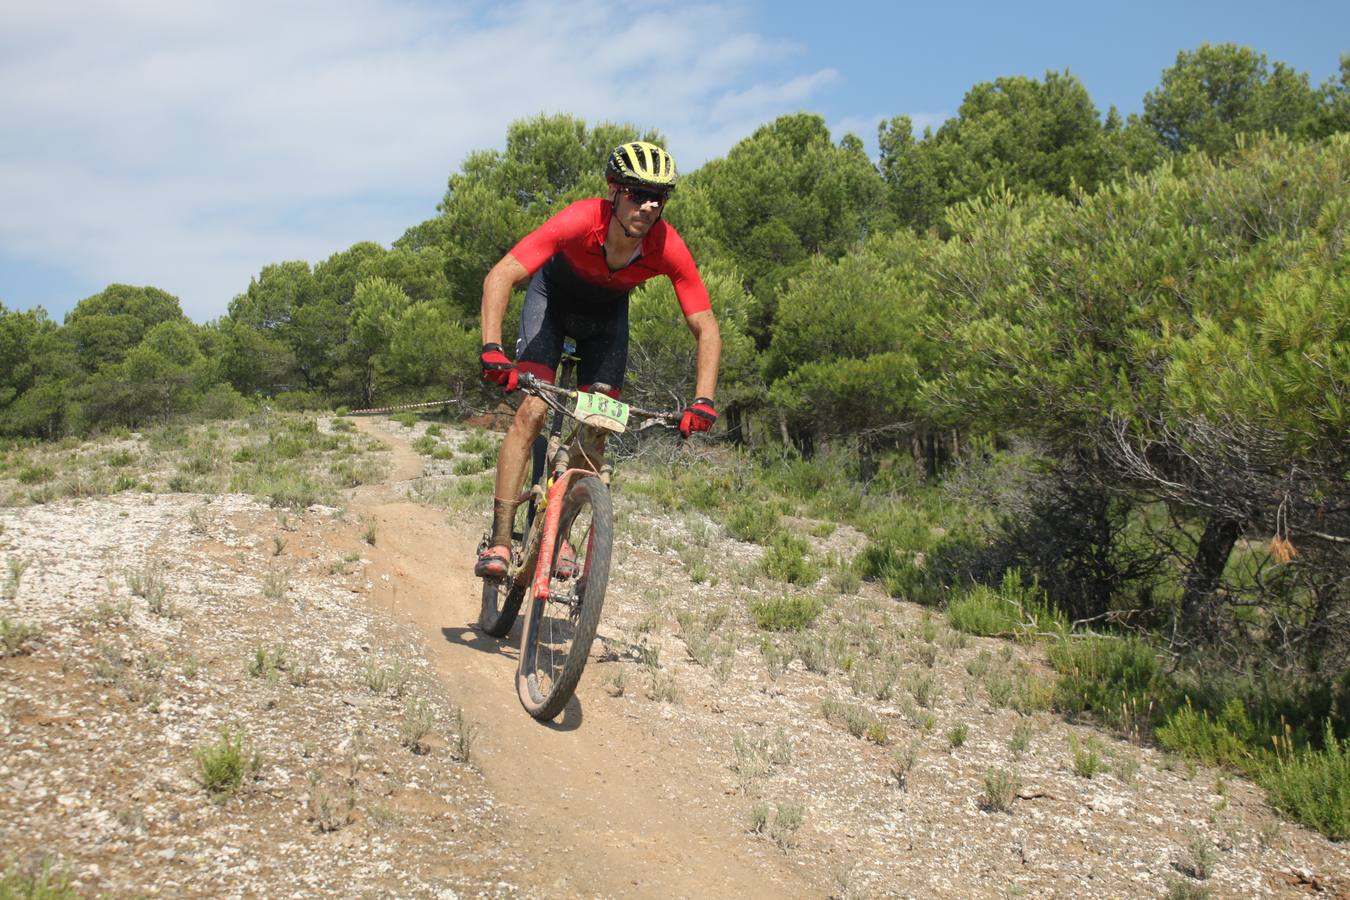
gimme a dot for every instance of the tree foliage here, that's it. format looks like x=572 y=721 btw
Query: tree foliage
x=782 y=196
x=1216 y=92
x=499 y=196
x=1020 y=134
x=1186 y=331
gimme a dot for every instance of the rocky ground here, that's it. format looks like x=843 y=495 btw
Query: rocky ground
x=328 y=653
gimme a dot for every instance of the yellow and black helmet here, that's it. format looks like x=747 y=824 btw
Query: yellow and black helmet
x=641 y=164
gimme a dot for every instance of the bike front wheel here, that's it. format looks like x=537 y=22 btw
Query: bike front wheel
x=556 y=639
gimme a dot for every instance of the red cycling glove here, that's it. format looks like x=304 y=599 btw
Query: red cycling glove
x=497 y=368
x=698 y=416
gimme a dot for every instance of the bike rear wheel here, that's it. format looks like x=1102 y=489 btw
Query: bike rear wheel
x=501 y=596
x=558 y=632
x=501 y=605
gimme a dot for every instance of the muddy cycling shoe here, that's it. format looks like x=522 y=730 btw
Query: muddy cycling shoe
x=493 y=562
x=566 y=565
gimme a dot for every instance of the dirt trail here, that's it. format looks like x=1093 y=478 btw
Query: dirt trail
x=608 y=806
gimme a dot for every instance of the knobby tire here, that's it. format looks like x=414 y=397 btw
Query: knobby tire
x=556 y=639
x=501 y=596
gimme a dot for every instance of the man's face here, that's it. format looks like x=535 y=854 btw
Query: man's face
x=637 y=209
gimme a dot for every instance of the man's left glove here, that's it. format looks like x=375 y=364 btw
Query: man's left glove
x=698 y=416
x=497 y=368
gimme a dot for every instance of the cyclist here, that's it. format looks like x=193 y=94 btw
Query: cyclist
x=584 y=261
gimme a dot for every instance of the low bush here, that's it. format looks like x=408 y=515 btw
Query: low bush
x=1108 y=676
x=983 y=611
x=752 y=521
x=1223 y=739
x=785 y=559
x=222 y=766
x=40 y=883
x=1000 y=790
x=1312 y=786
x=786 y=613
x=15 y=637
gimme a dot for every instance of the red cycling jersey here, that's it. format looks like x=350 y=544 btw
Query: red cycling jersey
x=578 y=233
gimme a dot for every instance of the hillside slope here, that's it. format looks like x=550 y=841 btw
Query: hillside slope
x=702 y=757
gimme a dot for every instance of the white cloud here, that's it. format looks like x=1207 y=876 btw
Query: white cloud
x=186 y=145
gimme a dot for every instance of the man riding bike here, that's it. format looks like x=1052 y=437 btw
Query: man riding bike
x=584 y=261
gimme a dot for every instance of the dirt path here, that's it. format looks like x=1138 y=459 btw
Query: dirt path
x=610 y=807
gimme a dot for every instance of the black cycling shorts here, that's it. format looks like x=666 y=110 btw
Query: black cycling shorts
x=559 y=304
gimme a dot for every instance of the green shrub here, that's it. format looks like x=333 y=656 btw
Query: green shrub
x=469 y=466
x=299 y=401
x=406 y=419
x=15 y=636
x=752 y=521
x=120 y=459
x=286 y=446
x=1014 y=609
x=854 y=719
x=895 y=569
x=478 y=442
x=1000 y=790
x=425 y=445
x=42 y=884
x=1087 y=761
x=1220 y=740
x=36 y=474
x=983 y=611
x=222 y=766
x=704 y=488
x=297 y=493
x=222 y=401
x=801 y=479
x=786 y=613
x=1106 y=675
x=1313 y=786
x=785 y=559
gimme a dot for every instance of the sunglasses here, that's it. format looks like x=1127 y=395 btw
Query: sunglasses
x=642 y=197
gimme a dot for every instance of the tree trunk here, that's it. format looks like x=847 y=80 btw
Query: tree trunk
x=738 y=429
x=1197 y=599
x=805 y=442
x=867 y=461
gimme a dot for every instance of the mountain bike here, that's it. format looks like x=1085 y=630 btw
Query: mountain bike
x=559 y=566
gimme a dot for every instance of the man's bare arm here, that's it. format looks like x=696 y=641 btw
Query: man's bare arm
x=497 y=287
x=708 y=354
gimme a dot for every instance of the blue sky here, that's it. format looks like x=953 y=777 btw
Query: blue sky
x=188 y=145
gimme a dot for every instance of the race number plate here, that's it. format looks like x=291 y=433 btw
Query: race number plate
x=602 y=411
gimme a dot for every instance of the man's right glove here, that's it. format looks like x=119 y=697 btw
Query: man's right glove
x=497 y=368
x=698 y=416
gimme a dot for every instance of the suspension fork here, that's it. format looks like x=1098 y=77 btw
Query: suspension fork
x=552 y=516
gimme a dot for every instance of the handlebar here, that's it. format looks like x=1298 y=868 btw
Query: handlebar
x=537 y=387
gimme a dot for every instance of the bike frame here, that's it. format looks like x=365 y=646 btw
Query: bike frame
x=551 y=496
